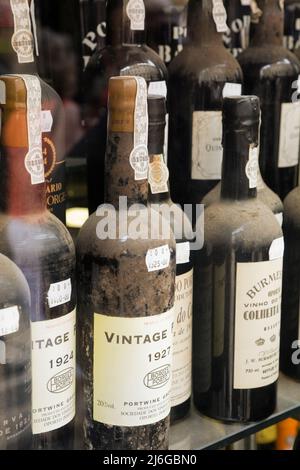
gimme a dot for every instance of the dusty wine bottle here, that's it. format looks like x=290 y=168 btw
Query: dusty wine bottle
x=290 y=330
x=42 y=248
x=166 y=27
x=239 y=17
x=271 y=72
x=125 y=54
x=17 y=56
x=159 y=197
x=126 y=285
x=292 y=26
x=238 y=280
x=200 y=76
x=15 y=360
x=264 y=193
x=93 y=27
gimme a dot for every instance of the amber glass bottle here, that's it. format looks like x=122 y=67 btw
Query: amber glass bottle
x=126 y=284
x=42 y=248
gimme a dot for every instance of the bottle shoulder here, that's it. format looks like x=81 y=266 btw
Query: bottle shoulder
x=207 y=63
x=277 y=57
x=242 y=223
x=292 y=208
x=13 y=285
x=125 y=57
x=34 y=238
x=140 y=233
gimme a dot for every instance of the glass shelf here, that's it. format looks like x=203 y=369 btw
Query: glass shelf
x=198 y=432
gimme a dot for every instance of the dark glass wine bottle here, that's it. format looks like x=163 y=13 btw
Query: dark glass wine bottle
x=166 y=27
x=15 y=358
x=290 y=329
x=239 y=17
x=125 y=54
x=93 y=27
x=271 y=72
x=159 y=197
x=264 y=194
x=126 y=284
x=200 y=76
x=292 y=26
x=238 y=280
x=17 y=56
x=297 y=442
x=42 y=248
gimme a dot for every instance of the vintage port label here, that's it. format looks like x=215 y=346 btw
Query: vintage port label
x=207 y=150
x=220 y=16
x=136 y=13
x=158 y=176
x=53 y=373
x=22 y=41
x=257 y=323
x=132 y=369
x=182 y=340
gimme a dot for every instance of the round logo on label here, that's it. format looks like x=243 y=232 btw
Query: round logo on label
x=139 y=159
x=158 y=173
x=50 y=156
x=34 y=163
x=61 y=381
x=136 y=10
x=22 y=43
x=158 y=378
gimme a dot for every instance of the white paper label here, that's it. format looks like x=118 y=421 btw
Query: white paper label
x=158 y=258
x=289 y=135
x=207 y=150
x=139 y=158
x=182 y=342
x=22 y=40
x=252 y=167
x=132 y=369
x=158 y=176
x=53 y=373
x=257 y=323
x=2 y=92
x=34 y=162
x=183 y=253
x=47 y=120
x=158 y=88
x=59 y=293
x=232 y=89
x=277 y=249
x=279 y=217
x=136 y=13
x=220 y=16
x=9 y=320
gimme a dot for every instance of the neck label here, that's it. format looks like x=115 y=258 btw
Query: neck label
x=220 y=16
x=139 y=158
x=252 y=167
x=158 y=175
x=136 y=13
x=22 y=40
x=34 y=162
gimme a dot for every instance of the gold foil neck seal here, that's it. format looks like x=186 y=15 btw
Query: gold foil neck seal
x=122 y=93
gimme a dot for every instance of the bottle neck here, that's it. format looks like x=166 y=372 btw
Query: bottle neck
x=268 y=29
x=159 y=187
x=240 y=165
x=206 y=21
x=125 y=21
x=21 y=164
x=17 y=43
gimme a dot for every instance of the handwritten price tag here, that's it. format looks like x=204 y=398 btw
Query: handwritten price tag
x=158 y=258
x=59 y=293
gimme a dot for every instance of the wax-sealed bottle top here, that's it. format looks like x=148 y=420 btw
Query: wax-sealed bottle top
x=240 y=112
